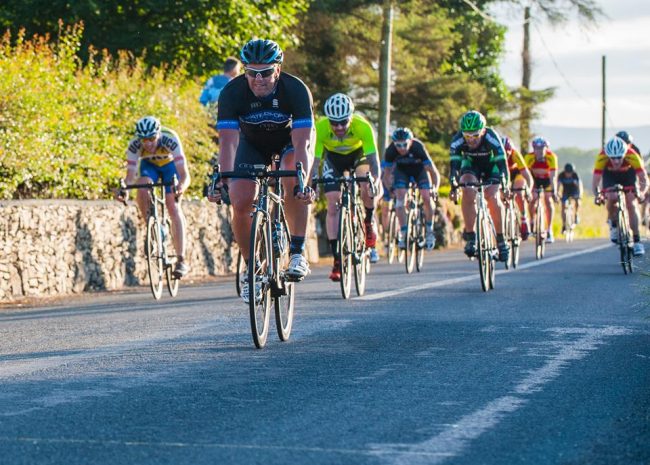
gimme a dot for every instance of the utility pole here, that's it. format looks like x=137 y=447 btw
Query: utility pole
x=604 y=104
x=385 y=67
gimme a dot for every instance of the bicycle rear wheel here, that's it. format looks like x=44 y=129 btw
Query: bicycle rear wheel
x=393 y=229
x=172 y=282
x=155 y=266
x=345 y=252
x=284 y=299
x=259 y=288
x=421 y=240
x=492 y=241
x=509 y=233
x=361 y=260
x=411 y=241
x=483 y=250
x=516 y=242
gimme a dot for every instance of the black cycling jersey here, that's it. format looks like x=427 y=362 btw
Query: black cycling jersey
x=570 y=183
x=486 y=160
x=266 y=122
x=410 y=164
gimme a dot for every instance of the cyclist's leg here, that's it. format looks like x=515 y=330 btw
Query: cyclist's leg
x=243 y=193
x=550 y=208
x=333 y=167
x=175 y=211
x=361 y=168
x=564 y=201
x=148 y=173
x=385 y=207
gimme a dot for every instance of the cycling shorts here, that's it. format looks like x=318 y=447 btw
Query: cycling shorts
x=247 y=154
x=401 y=180
x=388 y=193
x=335 y=164
x=545 y=183
x=624 y=178
x=155 y=172
x=481 y=167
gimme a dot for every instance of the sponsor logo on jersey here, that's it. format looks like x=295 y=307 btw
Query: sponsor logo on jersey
x=266 y=117
x=276 y=104
x=256 y=104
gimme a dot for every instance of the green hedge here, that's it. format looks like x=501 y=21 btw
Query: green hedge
x=65 y=125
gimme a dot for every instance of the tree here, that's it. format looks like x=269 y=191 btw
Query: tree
x=200 y=33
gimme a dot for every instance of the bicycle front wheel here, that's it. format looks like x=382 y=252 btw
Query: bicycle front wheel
x=421 y=240
x=539 y=231
x=155 y=266
x=345 y=252
x=284 y=300
x=411 y=241
x=516 y=242
x=393 y=229
x=483 y=250
x=259 y=288
x=509 y=230
x=240 y=269
x=624 y=243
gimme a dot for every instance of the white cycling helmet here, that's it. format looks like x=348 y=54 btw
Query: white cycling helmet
x=339 y=107
x=146 y=127
x=615 y=147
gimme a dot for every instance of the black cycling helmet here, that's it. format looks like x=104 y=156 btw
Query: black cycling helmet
x=261 y=51
x=625 y=136
x=569 y=167
x=402 y=134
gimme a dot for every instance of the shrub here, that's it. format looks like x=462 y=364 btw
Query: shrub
x=65 y=125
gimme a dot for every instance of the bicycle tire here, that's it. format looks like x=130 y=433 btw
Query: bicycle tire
x=421 y=240
x=345 y=252
x=258 y=275
x=393 y=230
x=411 y=241
x=284 y=302
x=624 y=242
x=361 y=260
x=240 y=269
x=155 y=265
x=492 y=241
x=508 y=232
x=516 y=242
x=172 y=282
x=540 y=225
x=483 y=251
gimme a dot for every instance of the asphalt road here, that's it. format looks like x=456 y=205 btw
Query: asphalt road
x=552 y=367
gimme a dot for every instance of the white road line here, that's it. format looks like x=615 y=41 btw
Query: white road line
x=474 y=276
x=455 y=438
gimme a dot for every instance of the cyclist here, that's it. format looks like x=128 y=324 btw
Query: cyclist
x=386 y=198
x=345 y=141
x=476 y=153
x=406 y=159
x=520 y=177
x=263 y=113
x=645 y=203
x=629 y=140
x=542 y=163
x=620 y=164
x=156 y=153
x=571 y=189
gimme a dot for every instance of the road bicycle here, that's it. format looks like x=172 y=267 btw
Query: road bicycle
x=159 y=241
x=415 y=238
x=512 y=227
x=486 y=238
x=392 y=237
x=269 y=254
x=352 y=250
x=625 y=240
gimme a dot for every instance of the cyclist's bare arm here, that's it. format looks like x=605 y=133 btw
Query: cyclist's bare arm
x=301 y=139
x=228 y=142
x=434 y=174
x=373 y=161
x=595 y=183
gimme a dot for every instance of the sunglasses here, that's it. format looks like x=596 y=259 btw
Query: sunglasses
x=341 y=123
x=263 y=73
x=472 y=135
x=148 y=139
x=401 y=145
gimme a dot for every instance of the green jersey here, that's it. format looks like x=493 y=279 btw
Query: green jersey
x=360 y=135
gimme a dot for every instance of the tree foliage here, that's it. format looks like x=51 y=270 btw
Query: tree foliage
x=199 y=33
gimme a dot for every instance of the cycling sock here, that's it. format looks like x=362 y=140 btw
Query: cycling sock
x=429 y=225
x=369 y=212
x=403 y=229
x=334 y=245
x=500 y=238
x=297 y=244
x=613 y=224
x=469 y=236
x=636 y=237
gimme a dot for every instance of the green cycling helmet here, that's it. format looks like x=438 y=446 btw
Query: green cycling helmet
x=472 y=121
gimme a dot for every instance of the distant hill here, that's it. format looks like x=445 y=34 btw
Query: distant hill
x=589 y=138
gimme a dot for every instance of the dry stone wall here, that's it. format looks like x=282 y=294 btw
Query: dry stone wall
x=61 y=247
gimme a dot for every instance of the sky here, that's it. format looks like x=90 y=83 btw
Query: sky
x=623 y=37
